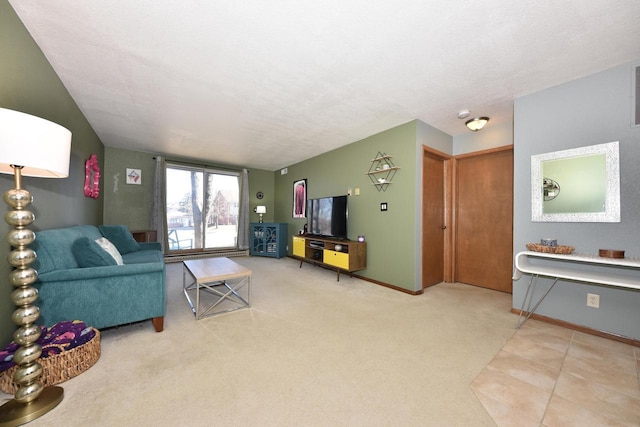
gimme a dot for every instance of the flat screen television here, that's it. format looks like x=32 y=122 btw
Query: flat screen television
x=327 y=217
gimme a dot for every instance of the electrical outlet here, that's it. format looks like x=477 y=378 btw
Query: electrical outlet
x=593 y=300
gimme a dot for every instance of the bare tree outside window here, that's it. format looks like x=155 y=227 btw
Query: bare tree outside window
x=201 y=216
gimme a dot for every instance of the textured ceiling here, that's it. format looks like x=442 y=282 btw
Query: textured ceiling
x=267 y=84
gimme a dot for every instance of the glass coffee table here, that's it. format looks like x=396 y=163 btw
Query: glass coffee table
x=216 y=286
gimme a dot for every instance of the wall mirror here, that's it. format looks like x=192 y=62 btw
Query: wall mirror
x=576 y=185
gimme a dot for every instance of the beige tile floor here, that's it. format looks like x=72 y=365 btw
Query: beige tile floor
x=551 y=376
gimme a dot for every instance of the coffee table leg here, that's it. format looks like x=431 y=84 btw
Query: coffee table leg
x=186 y=288
x=231 y=293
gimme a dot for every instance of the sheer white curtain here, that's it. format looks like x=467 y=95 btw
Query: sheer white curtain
x=157 y=212
x=243 y=215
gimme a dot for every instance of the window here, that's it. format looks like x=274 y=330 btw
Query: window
x=202 y=208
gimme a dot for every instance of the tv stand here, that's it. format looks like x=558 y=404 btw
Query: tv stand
x=338 y=254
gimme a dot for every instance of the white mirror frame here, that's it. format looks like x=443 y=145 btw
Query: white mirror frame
x=612 y=201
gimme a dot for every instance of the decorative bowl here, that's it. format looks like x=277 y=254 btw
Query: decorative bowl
x=611 y=253
x=560 y=249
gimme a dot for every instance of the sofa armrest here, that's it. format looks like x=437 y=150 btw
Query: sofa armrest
x=100 y=272
x=150 y=246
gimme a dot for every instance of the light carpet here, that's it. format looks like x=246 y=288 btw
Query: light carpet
x=310 y=352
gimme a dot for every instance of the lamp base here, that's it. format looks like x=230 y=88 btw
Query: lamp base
x=13 y=413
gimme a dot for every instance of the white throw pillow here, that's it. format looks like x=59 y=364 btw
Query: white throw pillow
x=111 y=249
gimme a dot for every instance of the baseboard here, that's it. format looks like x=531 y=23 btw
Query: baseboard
x=200 y=255
x=387 y=285
x=579 y=328
x=357 y=276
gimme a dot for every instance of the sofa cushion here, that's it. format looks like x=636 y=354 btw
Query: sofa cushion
x=53 y=249
x=143 y=256
x=88 y=253
x=120 y=236
x=90 y=231
x=111 y=249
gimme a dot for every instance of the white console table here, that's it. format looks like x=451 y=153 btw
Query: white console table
x=573 y=267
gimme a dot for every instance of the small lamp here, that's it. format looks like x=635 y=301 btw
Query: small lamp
x=477 y=123
x=36 y=147
x=261 y=210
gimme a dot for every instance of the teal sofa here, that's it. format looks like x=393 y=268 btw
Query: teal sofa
x=79 y=280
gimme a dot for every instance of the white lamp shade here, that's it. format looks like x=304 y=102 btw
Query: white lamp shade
x=40 y=146
x=261 y=209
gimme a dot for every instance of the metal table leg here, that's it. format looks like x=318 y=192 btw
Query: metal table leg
x=530 y=310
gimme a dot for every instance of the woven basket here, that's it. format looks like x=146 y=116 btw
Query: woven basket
x=537 y=247
x=59 y=367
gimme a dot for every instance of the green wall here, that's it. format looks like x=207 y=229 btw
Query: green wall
x=131 y=205
x=128 y=204
x=29 y=84
x=391 y=236
x=263 y=181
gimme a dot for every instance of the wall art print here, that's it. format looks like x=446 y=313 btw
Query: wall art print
x=134 y=176
x=300 y=198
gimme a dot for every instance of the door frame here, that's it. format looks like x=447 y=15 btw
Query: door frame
x=448 y=168
x=450 y=201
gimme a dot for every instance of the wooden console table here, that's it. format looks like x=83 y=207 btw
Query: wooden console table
x=145 y=235
x=619 y=273
x=341 y=255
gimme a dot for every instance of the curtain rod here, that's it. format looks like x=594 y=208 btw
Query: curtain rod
x=186 y=163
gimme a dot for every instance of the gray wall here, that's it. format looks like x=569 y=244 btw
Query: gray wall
x=492 y=136
x=29 y=84
x=592 y=110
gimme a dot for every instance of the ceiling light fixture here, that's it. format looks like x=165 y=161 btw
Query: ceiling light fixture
x=464 y=114
x=477 y=123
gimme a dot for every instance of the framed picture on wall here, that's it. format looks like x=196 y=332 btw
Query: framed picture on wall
x=134 y=176
x=300 y=198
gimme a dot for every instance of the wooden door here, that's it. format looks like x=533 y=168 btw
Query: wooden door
x=484 y=219
x=434 y=218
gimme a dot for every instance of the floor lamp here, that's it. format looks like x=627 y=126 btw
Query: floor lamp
x=29 y=146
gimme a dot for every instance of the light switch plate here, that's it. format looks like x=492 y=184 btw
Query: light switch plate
x=383 y=206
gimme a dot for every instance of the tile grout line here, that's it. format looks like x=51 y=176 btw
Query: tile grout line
x=553 y=390
x=575 y=339
x=636 y=352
